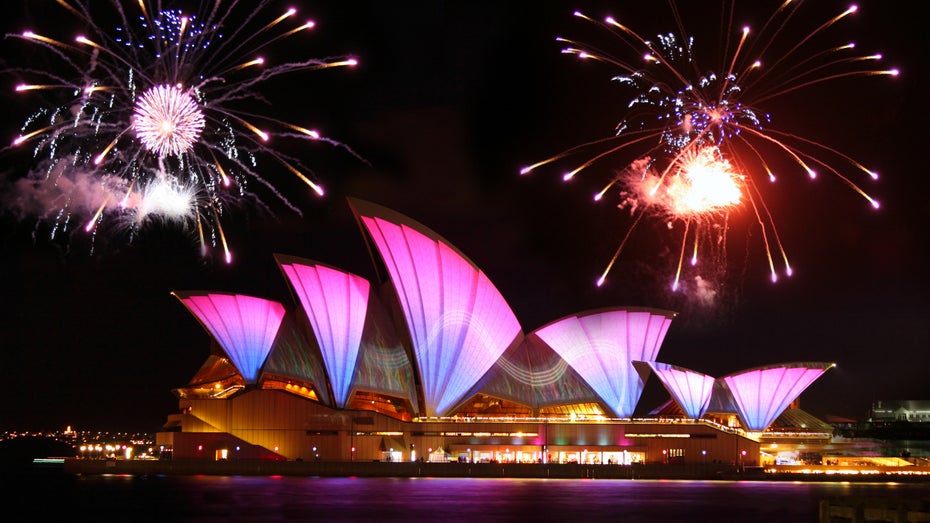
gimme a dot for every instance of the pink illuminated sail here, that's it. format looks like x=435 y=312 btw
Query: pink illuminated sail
x=601 y=346
x=691 y=390
x=244 y=326
x=458 y=322
x=336 y=304
x=763 y=393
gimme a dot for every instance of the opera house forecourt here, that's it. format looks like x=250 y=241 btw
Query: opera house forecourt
x=430 y=364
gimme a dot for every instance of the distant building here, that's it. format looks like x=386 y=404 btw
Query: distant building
x=901 y=410
x=432 y=357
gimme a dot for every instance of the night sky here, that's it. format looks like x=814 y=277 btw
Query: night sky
x=449 y=101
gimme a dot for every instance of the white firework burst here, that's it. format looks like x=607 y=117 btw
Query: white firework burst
x=167 y=120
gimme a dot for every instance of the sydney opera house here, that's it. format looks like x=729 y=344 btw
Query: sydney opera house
x=430 y=363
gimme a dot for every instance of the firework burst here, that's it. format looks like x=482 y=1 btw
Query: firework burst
x=155 y=118
x=167 y=121
x=700 y=140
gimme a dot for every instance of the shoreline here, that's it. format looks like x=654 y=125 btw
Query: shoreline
x=474 y=470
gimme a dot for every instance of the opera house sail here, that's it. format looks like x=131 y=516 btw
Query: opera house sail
x=244 y=326
x=335 y=303
x=763 y=393
x=690 y=389
x=601 y=346
x=458 y=322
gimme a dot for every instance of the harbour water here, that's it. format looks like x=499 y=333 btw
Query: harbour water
x=268 y=499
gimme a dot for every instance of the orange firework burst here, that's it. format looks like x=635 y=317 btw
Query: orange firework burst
x=700 y=139
x=696 y=188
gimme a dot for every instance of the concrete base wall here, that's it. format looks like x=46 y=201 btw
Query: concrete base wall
x=406 y=469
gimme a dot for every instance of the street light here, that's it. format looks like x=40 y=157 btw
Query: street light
x=352 y=440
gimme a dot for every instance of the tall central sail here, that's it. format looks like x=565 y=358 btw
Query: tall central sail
x=459 y=323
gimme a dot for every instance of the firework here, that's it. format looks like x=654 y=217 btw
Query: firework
x=698 y=143
x=155 y=118
x=167 y=121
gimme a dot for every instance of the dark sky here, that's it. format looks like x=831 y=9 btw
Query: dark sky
x=450 y=100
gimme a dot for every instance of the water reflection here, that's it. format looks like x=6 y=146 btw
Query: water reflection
x=288 y=499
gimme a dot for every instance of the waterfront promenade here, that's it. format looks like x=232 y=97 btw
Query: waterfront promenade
x=696 y=471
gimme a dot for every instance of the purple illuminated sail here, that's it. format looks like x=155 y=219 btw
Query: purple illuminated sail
x=244 y=326
x=762 y=394
x=459 y=323
x=601 y=346
x=336 y=304
x=691 y=390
